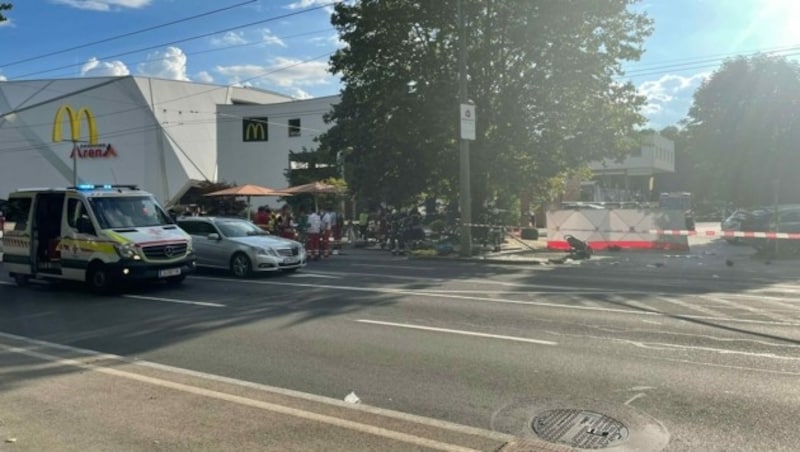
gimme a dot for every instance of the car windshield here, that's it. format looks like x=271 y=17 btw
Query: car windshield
x=128 y=212
x=238 y=228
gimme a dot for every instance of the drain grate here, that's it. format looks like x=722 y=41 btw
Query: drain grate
x=579 y=428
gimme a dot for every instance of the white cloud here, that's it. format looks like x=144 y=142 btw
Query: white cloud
x=303 y=4
x=284 y=74
x=327 y=41
x=204 y=76
x=268 y=38
x=229 y=39
x=298 y=93
x=7 y=23
x=3 y=78
x=96 y=68
x=669 y=89
x=104 y=5
x=169 y=64
x=293 y=72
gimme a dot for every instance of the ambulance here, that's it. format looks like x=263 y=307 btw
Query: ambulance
x=103 y=235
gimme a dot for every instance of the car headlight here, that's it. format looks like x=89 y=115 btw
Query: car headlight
x=189 y=245
x=127 y=251
x=266 y=251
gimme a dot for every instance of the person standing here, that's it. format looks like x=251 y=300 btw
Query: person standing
x=363 y=223
x=327 y=227
x=314 y=230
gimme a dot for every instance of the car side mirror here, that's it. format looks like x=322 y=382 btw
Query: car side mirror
x=214 y=236
x=84 y=225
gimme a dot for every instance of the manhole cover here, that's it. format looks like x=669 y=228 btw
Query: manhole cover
x=579 y=428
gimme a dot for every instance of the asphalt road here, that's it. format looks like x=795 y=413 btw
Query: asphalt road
x=684 y=353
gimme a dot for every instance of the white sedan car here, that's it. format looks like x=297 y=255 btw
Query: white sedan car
x=241 y=246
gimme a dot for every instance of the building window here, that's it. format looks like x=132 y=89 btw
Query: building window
x=294 y=127
x=255 y=129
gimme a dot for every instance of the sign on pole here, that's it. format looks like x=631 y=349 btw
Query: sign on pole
x=467 y=122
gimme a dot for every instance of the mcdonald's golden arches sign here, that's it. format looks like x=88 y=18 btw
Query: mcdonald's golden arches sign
x=255 y=129
x=83 y=148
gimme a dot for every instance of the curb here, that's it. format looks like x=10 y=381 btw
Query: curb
x=480 y=260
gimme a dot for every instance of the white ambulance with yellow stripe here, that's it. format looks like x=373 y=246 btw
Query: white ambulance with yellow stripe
x=104 y=235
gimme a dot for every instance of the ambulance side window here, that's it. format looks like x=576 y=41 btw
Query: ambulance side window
x=75 y=210
x=18 y=212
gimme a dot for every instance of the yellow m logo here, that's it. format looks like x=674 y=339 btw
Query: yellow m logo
x=254 y=129
x=74 y=124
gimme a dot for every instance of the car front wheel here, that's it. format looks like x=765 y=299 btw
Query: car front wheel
x=240 y=265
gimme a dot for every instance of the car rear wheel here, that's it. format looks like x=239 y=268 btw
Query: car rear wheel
x=240 y=265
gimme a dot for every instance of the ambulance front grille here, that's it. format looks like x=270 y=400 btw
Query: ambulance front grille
x=168 y=251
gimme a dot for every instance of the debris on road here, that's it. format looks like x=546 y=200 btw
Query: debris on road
x=352 y=398
x=11 y=440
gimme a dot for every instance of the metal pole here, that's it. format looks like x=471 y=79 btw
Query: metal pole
x=74 y=163
x=464 y=173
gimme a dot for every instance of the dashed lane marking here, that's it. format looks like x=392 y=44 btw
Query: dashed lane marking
x=459 y=332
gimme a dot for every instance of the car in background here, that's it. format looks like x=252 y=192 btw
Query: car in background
x=734 y=223
x=240 y=246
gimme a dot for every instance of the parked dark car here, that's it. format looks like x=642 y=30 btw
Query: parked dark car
x=785 y=219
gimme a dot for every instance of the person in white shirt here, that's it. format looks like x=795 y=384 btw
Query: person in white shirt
x=314 y=230
x=327 y=225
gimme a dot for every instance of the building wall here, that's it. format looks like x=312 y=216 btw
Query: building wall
x=163 y=132
x=656 y=155
x=264 y=162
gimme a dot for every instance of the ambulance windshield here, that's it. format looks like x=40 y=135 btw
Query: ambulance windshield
x=128 y=212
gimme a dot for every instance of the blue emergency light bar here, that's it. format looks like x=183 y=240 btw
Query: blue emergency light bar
x=102 y=187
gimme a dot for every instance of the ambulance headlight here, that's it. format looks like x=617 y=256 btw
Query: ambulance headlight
x=127 y=251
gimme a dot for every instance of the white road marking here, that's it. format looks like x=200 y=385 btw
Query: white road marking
x=313 y=275
x=93 y=356
x=632 y=399
x=724 y=366
x=7 y=283
x=407 y=267
x=762 y=312
x=460 y=332
x=690 y=306
x=173 y=300
x=391 y=291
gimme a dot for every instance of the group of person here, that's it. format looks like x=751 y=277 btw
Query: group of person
x=280 y=222
x=317 y=227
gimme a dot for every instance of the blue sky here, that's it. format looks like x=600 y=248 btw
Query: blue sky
x=288 y=49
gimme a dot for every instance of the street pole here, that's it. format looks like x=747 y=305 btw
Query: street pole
x=74 y=163
x=464 y=173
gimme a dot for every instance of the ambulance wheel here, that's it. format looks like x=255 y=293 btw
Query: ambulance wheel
x=22 y=280
x=240 y=265
x=98 y=278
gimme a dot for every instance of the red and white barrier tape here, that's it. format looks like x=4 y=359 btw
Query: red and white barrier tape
x=684 y=232
x=728 y=234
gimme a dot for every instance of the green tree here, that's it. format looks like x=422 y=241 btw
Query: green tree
x=744 y=132
x=4 y=7
x=541 y=73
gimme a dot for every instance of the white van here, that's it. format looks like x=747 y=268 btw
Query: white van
x=100 y=234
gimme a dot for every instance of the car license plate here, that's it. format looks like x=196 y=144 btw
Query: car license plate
x=169 y=272
x=291 y=260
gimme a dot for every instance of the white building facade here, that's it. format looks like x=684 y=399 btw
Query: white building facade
x=254 y=141
x=158 y=134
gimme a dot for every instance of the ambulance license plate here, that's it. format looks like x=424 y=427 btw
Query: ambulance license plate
x=169 y=272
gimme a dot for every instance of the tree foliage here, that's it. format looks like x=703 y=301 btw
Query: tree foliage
x=541 y=73
x=744 y=132
x=4 y=7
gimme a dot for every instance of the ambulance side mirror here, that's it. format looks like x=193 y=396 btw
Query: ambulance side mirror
x=84 y=225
